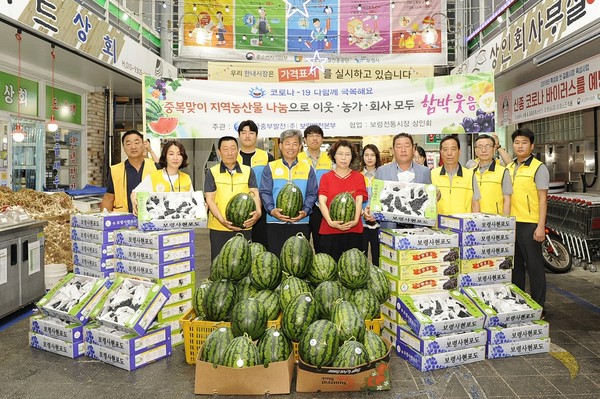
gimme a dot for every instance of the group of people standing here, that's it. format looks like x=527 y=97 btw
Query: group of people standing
x=505 y=186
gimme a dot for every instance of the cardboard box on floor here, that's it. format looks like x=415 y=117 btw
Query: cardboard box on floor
x=258 y=380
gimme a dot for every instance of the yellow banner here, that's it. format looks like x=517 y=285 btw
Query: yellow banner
x=276 y=73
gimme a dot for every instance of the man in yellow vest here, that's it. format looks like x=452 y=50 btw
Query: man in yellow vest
x=530 y=179
x=493 y=179
x=257 y=159
x=125 y=176
x=321 y=163
x=458 y=191
x=221 y=183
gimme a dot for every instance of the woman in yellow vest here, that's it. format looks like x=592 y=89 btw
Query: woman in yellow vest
x=170 y=178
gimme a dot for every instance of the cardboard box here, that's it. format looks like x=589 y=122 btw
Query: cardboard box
x=439 y=360
x=90 y=235
x=55 y=345
x=418 y=270
x=174 y=311
x=55 y=328
x=388 y=335
x=399 y=202
x=519 y=348
x=128 y=362
x=400 y=286
x=124 y=342
x=173 y=282
x=154 y=239
x=442 y=343
x=100 y=264
x=177 y=338
x=391 y=313
x=171 y=210
x=104 y=221
x=418 y=238
x=157 y=256
x=374 y=376
x=180 y=295
x=411 y=256
x=425 y=326
x=486 y=264
x=92 y=249
x=156 y=297
x=84 y=271
x=476 y=279
x=487 y=251
x=493 y=318
x=154 y=270
x=467 y=222
x=518 y=332
x=392 y=324
x=486 y=237
x=80 y=312
x=258 y=380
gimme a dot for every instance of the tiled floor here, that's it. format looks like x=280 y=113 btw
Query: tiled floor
x=571 y=370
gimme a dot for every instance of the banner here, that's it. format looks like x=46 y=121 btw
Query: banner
x=210 y=109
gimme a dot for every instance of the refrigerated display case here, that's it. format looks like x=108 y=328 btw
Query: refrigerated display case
x=27 y=157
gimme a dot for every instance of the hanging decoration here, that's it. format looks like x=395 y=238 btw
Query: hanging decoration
x=292 y=9
x=18 y=134
x=316 y=59
x=52 y=126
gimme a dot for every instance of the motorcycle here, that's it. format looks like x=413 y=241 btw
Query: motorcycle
x=557 y=257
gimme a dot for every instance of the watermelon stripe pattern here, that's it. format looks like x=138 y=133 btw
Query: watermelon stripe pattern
x=342 y=207
x=296 y=256
x=273 y=347
x=290 y=200
x=248 y=317
x=241 y=352
x=353 y=269
x=265 y=272
x=319 y=344
x=298 y=315
x=218 y=300
x=238 y=209
x=235 y=258
x=215 y=345
x=351 y=354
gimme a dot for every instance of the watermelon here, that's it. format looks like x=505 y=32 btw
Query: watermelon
x=325 y=295
x=296 y=256
x=348 y=320
x=378 y=284
x=244 y=289
x=342 y=207
x=298 y=315
x=353 y=269
x=235 y=261
x=273 y=347
x=256 y=248
x=213 y=349
x=218 y=300
x=215 y=266
x=367 y=304
x=239 y=207
x=289 y=200
x=248 y=317
x=351 y=354
x=323 y=268
x=319 y=343
x=265 y=272
x=290 y=288
x=374 y=345
x=241 y=352
x=198 y=295
x=270 y=301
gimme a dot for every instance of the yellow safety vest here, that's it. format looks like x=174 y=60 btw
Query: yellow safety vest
x=162 y=185
x=525 y=204
x=227 y=185
x=323 y=166
x=117 y=173
x=456 y=197
x=258 y=162
x=490 y=186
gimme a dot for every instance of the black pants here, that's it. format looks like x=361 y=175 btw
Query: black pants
x=278 y=233
x=529 y=260
x=335 y=245
x=259 y=230
x=315 y=224
x=371 y=236
x=218 y=238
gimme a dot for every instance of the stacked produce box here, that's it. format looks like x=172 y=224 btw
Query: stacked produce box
x=162 y=257
x=92 y=241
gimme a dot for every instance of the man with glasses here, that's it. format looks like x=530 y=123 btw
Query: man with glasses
x=493 y=178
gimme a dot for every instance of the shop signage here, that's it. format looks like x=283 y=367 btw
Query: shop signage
x=18 y=99
x=65 y=106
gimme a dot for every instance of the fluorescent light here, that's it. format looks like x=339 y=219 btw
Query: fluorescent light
x=568 y=45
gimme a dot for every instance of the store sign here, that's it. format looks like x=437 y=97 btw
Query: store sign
x=75 y=26
x=435 y=138
x=23 y=99
x=211 y=109
x=265 y=72
x=64 y=105
x=570 y=89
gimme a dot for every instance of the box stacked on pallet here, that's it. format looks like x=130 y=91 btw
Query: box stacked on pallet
x=512 y=320
x=164 y=257
x=486 y=245
x=126 y=335
x=65 y=309
x=92 y=238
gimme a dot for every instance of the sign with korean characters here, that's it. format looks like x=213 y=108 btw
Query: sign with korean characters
x=64 y=105
x=210 y=109
x=265 y=72
x=570 y=89
x=21 y=99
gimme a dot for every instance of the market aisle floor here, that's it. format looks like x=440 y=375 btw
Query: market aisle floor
x=571 y=370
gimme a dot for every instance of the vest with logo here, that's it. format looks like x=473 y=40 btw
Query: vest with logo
x=281 y=174
x=117 y=172
x=259 y=160
x=227 y=185
x=525 y=204
x=456 y=197
x=160 y=183
x=490 y=186
x=323 y=166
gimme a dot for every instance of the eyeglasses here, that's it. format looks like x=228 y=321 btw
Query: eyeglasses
x=484 y=147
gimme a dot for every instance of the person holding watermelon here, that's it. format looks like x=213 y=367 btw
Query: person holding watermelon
x=341 y=215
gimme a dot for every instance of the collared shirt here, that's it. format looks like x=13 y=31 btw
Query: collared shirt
x=542 y=175
x=132 y=176
x=390 y=172
x=459 y=172
x=506 y=182
x=209 y=180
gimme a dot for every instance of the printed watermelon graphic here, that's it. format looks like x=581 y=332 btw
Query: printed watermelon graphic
x=164 y=126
